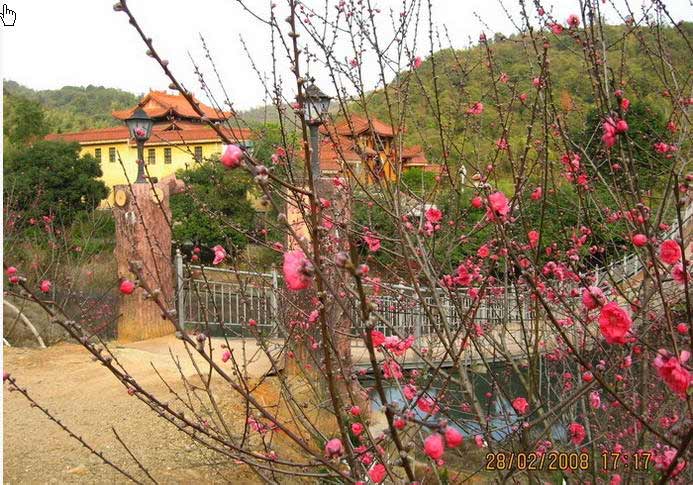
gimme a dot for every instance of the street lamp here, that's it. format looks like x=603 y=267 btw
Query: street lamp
x=140 y=129
x=315 y=106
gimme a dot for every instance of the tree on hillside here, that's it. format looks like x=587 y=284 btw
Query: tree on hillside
x=24 y=120
x=50 y=179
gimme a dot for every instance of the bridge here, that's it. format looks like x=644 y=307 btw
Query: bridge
x=211 y=296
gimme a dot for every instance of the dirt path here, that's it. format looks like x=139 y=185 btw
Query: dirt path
x=90 y=401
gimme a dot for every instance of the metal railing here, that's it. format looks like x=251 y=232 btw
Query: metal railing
x=208 y=296
x=631 y=264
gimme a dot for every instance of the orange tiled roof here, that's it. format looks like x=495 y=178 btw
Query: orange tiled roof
x=414 y=156
x=332 y=154
x=360 y=125
x=161 y=133
x=160 y=105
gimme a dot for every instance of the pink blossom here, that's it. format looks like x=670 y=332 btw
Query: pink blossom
x=614 y=323
x=219 y=254
x=11 y=270
x=355 y=411
x=639 y=240
x=592 y=297
x=502 y=144
x=536 y=194
x=225 y=356
x=409 y=391
x=670 y=251
x=127 y=287
x=533 y=237
x=392 y=370
x=453 y=438
x=504 y=78
x=671 y=370
x=417 y=62
x=483 y=252
x=232 y=156
x=520 y=405
x=480 y=441
x=45 y=286
x=679 y=275
x=297 y=270
x=595 y=400
x=378 y=473
x=357 y=428
x=625 y=104
x=334 y=448
x=556 y=28
x=477 y=202
x=577 y=433
x=434 y=215
x=434 y=446
x=498 y=205
x=476 y=109
x=372 y=241
x=573 y=21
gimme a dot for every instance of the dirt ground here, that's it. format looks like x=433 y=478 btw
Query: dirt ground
x=89 y=400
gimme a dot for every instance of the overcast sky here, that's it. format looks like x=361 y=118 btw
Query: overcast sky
x=81 y=42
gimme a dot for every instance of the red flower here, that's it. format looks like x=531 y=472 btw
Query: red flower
x=357 y=428
x=670 y=251
x=453 y=438
x=416 y=63
x=614 y=323
x=672 y=372
x=377 y=338
x=520 y=405
x=378 y=473
x=573 y=20
x=557 y=29
x=433 y=215
x=577 y=433
x=434 y=446
x=127 y=287
x=45 y=286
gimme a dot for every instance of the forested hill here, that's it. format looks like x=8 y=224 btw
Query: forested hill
x=463 y=78
x=73 y=108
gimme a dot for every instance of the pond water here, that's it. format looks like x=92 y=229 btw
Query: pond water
x=503 y=418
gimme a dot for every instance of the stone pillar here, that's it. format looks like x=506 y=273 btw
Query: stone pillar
x=144 y=235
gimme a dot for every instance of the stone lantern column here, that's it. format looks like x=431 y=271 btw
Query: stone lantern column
x=143 y=235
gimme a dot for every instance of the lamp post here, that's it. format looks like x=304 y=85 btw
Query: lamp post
x=315 y=106
x=140 y=129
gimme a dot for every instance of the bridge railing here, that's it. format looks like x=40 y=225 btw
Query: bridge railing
x=631 y=264
x=209 y=296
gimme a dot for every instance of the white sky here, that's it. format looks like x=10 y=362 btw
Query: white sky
x=80 y=42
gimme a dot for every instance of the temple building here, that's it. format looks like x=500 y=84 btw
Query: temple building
x=369 y=149
x=179 y=137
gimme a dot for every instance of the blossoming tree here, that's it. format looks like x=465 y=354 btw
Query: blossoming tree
x=529 y=347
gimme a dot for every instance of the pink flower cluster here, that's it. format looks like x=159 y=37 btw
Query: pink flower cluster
x=671 y=370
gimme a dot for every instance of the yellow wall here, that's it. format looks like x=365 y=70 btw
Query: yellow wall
x=113 y=171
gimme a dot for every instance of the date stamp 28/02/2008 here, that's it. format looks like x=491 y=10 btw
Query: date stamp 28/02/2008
x=575 y=461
